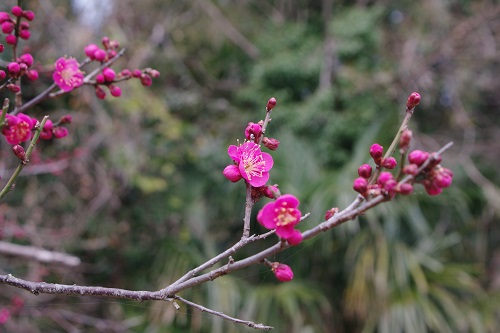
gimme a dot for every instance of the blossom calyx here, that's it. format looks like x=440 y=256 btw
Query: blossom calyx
x=20 y=153
x=270 y=143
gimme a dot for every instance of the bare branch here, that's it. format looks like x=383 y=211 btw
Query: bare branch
x=38 y=254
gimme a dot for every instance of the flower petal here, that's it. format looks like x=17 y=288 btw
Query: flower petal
x=287 y=201
x=268 y=160
x=266 y=216
x=234 y=152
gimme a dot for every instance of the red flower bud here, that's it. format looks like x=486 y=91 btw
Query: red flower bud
x=329 y=213
x=270 y=143
x=282 y=272
x=360 y=185
x=232 y=173
x=19 y=152
x=418 y=157
x=413 y=100
x=389 y=163
x=365 y=171
x=271 y=104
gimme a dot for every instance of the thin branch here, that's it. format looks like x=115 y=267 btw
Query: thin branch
x=223 y=315
x=38 y=254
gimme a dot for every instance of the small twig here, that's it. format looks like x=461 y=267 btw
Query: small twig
x=223 y=315
x=248 y=211
x=38 y=254
x=12 y=180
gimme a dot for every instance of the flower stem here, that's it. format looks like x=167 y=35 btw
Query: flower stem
x=248 y=212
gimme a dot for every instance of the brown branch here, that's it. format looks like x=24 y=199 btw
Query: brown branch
x=38 y=254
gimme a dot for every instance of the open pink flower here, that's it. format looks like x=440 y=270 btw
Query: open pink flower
x=18 y=128
x=281 y=215
x=67 y=74
x=253 y=164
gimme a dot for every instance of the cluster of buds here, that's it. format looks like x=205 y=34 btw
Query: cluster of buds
x=254 y=133
x=108 y=77
x=16 y=69
x=377 y=153
x=434 y=177
x=55 y=130
x=268 y=191
x=15 y=27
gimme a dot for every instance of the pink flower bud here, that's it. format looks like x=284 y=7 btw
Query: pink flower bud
x=100 y=93
x=146 y=80
x=105 y=42
x=4 y=16
x=99 y=55
x=19 y=152
x=29 y=15
x=418 y=157
x=413 y=100
x=2 y=48
x=271 y=104
x=389 y=163
x=32 y=74
x=90 y=50
x=253 y=131
x=136 y=73
x=410 y=169
x=27 y=59
x=154 y=73
x=60 y=132
x=232 y=173
x=24 y=26
x=111 y=54
x=384 y=178
x=13 y=68
x=14 y=88
x=405 y=189
x=271 y=191
x=115 y=90
x=7 y=27
x=11 y=39
x=443 y=177
x=271 y=143
x=376 y=152
x=282 y=272
x=17 y=11
x=25 y=34
x=99 y=78
x=295 y=238
x=109 y=74
x=390 y=185
x=329 y=213
x=360 y=185
x=66 y=119
x=125 y=73
x=404 y=141
x=2 y=74
x=48 y=125
x=432 y=189
x=365 y=171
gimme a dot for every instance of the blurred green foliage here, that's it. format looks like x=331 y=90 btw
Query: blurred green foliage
x=143 y=200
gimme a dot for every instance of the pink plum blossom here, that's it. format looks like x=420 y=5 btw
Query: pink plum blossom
x=253 y=164
x=281 y=215
x=18 y=128
x=67 y=74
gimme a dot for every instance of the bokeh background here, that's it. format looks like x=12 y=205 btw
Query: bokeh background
x=136 y=190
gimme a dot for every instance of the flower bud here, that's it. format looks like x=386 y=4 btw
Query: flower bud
x=270 y=143
x=154 y=73
x=410 y=169
x=66 y=119
x=19 y=152
x=413 y=100
x=146 y=80
x=365 y=171
x=90 y=50
x=115 y=90
x=2 y=48
x=2 y=74
x=384 y=178
x=14 y=88
x=376 y=152
x=271 y=191
x=60 y=132
x=25 y=34
x=232 y=173
x=99 y=79
x=27 y=59
x=271 y=104
x=136 y=73
x=13 y=68
x=17 y=11
x=99 y=55
x=29 y=15
x=360 y=185
x=253 y=132
x=109 y=74
x=418 y=157
x=404 y=141
x=282 y=272
x=7 y=27
x=329 y=213
x=4 y=16
x=405 y=189
x=295 y=239
x=11 y=39
x=125 y=73
x=389 y=163
x=100 y=93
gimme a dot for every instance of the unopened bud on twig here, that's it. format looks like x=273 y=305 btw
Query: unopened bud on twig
x=271 y=104
x=19 y=152
x=413 y=100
